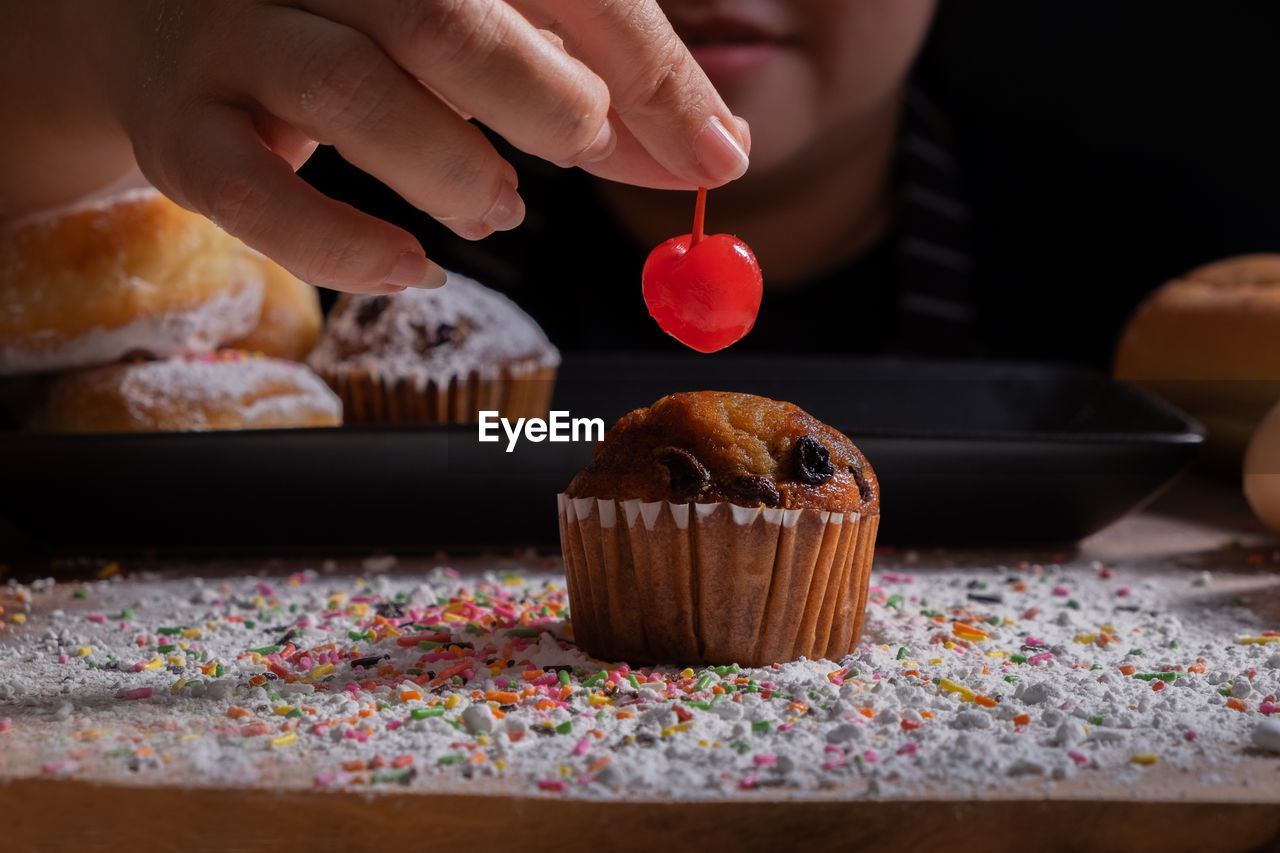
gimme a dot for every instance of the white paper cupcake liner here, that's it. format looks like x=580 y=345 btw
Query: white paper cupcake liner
x=715 y=583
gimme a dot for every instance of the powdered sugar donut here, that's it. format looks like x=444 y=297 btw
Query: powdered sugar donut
x=290 y=322
x=224 y=390
x=130 y=274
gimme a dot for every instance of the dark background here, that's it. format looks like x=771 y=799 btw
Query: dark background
x=1107 y=146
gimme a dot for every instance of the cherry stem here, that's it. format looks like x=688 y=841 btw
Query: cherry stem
x=699 y=213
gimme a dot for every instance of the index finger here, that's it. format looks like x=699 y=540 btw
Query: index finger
x=656 y=88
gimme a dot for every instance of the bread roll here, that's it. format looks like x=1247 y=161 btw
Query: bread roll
x=1262 y=470
x=1209 y=342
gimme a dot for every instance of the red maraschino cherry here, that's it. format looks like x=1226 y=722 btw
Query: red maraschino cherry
x=704 y=291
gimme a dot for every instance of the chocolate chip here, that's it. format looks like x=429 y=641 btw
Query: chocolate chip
x=430 y=337
x=688 y=477
x=861 y=479
x=812 y=461
x=371 y=309
x=756 y=490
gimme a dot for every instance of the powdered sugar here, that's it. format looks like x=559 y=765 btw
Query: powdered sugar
x=967 y=680
x=490 y=336
x=229 y=314
x=261 y=390
x=124 y=193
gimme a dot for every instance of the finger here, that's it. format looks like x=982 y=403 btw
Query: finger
x=656 y=87
x=334 y=84
x=486 y=59
x=218 y=166
x=630 y=163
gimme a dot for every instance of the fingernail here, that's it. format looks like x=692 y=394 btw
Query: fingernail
x=467 y=229
x=507 y=211
x=719 y=154
x=744 y=132
x=414 y=270
x=434 y=277
x=601 y=147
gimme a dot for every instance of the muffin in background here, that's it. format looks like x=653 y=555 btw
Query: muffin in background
x=435 y=356
x=722 y=528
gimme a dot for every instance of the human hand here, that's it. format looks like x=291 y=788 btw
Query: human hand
x=224 y=101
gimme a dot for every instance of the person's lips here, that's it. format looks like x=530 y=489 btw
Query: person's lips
x=726 y=47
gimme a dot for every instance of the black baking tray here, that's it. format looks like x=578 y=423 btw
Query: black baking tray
x=966 y=453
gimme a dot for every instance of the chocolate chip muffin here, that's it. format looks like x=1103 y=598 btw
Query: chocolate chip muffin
x=722 y=528
x=435 y=356
x=710 y=446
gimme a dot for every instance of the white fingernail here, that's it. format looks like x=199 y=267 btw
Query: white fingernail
x=414 y=270
x=507 y=211
x=602 y=146
x=721 y=156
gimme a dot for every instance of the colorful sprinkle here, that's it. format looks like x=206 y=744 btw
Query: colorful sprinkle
x=388 y=682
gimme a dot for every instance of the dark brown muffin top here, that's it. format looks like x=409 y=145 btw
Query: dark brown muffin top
x=708 y=446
